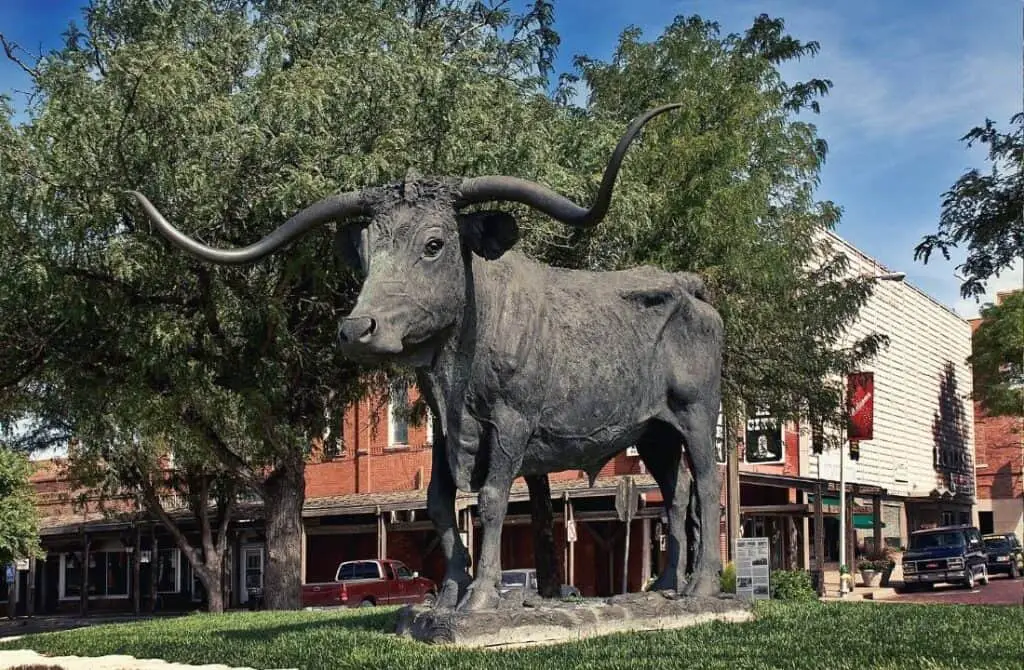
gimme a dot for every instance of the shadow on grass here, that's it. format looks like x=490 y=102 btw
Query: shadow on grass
x=366 y=621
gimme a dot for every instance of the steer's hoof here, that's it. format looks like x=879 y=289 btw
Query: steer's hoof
x=451 y=588
x=479 y=598
x=702 y=584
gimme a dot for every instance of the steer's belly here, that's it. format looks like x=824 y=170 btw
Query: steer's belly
x=553 y=451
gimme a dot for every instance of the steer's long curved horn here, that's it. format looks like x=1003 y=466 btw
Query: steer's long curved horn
x=482 y=189
x=329 y=209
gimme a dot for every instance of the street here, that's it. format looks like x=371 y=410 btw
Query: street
x=1000 y=591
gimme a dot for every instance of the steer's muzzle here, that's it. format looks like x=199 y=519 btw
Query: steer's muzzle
x=356 y=329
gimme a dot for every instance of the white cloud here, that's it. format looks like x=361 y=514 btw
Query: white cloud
x=1009 y=280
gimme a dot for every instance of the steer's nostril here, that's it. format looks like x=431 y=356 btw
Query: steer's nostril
x=357 y=329
x=368 y=333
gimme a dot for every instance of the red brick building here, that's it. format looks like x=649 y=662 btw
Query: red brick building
x=999 y=447
x=370 y=501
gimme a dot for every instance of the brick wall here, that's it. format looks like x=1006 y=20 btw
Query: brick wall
x=999 y=455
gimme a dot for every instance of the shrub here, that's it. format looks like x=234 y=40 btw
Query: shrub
x=728 y=578
x=878 y=560
x=793 y=585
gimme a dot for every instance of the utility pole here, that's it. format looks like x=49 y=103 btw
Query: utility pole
x=732 y=486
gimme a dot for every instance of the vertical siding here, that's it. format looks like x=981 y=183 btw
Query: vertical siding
x=925 y=337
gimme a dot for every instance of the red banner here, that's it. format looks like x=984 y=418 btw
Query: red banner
x=860 y=399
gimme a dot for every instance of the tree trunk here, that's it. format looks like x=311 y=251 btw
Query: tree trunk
x=211 y=576
x=284 y=493
x=542 y=516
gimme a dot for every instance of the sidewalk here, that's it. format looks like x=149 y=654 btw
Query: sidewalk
x=861 y=592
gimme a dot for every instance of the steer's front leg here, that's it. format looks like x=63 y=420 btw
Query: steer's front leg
x=441 y=508
x=507 y=441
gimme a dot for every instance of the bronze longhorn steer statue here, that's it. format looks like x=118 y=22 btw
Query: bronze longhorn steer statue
x=530 y=369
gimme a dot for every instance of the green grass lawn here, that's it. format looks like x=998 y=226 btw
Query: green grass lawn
x=813 y=635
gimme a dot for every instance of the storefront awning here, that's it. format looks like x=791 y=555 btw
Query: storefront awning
x=864 y=522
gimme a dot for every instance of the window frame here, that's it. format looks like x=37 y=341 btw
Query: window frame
x=176 y=553
x=63 y=581
x=400 y=389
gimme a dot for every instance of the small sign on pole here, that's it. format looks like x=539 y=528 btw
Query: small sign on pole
x=570 y=530
x=752 y=568
x=21 y=565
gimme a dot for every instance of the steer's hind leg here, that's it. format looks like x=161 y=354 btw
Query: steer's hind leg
x=661 y=450
x=441 y=509
x=698 y=424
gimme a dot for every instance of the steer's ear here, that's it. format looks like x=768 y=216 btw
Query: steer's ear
x=490 y=233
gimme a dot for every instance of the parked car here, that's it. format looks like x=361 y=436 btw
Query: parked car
x=1005 y=554
x=950 y=554
x=526 y=578
x=369 y=583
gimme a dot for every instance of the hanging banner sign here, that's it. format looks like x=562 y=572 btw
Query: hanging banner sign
x=860 y=398
x=763 y=439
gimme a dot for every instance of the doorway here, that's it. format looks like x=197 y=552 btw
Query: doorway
x=986 y=523
x=252 y=571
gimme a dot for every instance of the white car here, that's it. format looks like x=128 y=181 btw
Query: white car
x=526 y=578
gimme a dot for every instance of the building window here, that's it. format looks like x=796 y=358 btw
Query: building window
x=398 y=415
x=168 y=571
x=430 y=427
x=108 y=575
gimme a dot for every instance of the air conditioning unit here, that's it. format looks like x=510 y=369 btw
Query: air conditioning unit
x=632 y=451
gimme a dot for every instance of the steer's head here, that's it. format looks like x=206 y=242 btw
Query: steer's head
x=412 y=242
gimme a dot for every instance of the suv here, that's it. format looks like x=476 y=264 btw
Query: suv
x=950 y=554
x=1005 y=554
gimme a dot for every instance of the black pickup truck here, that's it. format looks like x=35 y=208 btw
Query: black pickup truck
x=948 y=554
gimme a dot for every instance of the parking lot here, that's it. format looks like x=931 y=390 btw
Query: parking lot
x=1000 y=591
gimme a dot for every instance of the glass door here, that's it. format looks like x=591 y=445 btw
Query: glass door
x=252 y=572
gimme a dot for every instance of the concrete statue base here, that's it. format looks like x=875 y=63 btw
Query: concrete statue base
x=516 y=622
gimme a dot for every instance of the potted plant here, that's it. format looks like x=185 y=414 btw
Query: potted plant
x=876 y=568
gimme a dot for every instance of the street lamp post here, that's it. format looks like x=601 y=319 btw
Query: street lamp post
x=843 y=590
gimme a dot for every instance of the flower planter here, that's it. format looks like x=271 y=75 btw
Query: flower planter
x=870 y=578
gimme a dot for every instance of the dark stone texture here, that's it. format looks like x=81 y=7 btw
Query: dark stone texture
x=562 y=621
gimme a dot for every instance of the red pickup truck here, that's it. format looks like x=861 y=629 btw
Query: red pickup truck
x=369 y=583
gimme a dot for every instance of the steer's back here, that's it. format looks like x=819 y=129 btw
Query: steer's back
x=615 y=345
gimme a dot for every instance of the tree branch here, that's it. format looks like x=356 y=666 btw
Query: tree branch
x=9 y=49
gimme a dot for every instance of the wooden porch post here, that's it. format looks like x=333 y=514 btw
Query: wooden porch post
x=137 y=571
x=30 y=604
x=876 y=520
x=819 y=537
x=44 y=587
x=302 y=553
x=84 y=604
x=153 y=561
x=382 y=536
x=570 y=549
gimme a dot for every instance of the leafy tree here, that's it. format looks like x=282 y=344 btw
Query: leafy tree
x=725 y=187
x=19 y=532
x=985 y=212
x=998 y=357
x=230 y=115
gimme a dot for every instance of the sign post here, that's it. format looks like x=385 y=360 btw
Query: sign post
x=625 y=507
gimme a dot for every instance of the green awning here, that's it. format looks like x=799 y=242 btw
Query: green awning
x=864 y=522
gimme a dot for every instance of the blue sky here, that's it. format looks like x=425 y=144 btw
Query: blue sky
x=910 y=77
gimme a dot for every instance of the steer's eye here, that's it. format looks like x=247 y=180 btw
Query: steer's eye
x=433 y=247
